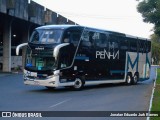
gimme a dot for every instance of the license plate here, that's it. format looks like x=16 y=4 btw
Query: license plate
x=31 y=79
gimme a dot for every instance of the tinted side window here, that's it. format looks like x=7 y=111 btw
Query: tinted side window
x=140 y=45
x=149 y=46
x=87 y=39
x=144 y=46
x=75 y=38
x=100 y=39
x=113 y=42
x=123 y=43
x=72 y=36
x=133 y=44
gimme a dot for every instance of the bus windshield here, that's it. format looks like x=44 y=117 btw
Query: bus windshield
x=46 y=36
x=40 y=60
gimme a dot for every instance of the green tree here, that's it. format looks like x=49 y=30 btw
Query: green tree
x=150 y=10
x=155 y=48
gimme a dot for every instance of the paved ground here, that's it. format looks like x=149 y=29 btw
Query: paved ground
x=15 y=96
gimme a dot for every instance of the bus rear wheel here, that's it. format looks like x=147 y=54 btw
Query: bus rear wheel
x=128 y=79
x=135 y=79
x=78 y=84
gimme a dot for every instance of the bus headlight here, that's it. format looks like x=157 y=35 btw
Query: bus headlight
x=52 y=82
x=57 y=73
x=50 y=76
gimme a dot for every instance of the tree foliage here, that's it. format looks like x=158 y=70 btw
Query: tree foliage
x=155 y=49
x=150 y=10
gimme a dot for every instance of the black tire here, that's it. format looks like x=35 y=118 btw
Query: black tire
x=50 y=88
x=78 y=84
x=135 y=78
x=128 y=79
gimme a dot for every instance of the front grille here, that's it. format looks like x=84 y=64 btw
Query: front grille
x=42 y=76
x=31 y=77
x=39 y=77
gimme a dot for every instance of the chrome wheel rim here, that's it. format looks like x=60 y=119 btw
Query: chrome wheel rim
x=135 y=79
x=77 y=83
x=128 y=79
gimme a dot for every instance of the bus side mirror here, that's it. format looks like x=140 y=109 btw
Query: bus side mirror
x=19 y=46
x=57 y=48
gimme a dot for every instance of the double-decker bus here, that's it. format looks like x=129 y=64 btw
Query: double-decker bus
x=74 y=55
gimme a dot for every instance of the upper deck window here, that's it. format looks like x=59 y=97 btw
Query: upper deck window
x=46 y=36
x=72 y=36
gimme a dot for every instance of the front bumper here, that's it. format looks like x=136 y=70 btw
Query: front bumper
x=50 y=82
x=30 y=78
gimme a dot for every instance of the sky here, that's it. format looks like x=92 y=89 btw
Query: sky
x=115 y=15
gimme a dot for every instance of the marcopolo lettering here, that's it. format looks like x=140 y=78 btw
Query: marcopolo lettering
x=39 y=48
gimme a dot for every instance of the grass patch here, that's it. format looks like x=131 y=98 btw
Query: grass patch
x=156 y=97
x=158 y=76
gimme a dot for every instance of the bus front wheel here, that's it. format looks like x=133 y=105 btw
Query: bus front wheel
x=50 y=88
x=78 y=84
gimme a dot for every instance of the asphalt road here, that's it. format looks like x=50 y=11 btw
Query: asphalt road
x=15 y=96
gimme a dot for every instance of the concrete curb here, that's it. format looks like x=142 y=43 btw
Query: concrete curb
x=151 y=99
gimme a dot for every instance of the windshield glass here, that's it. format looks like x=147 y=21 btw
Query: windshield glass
x=46 y=36
x=40 y=60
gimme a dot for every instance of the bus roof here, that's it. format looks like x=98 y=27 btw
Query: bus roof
x=65 y=26
x=57 y=26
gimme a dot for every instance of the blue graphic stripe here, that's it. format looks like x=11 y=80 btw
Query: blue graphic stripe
x=117 y=71
x=135 y=62
x=81 y=58
x=147 y=63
